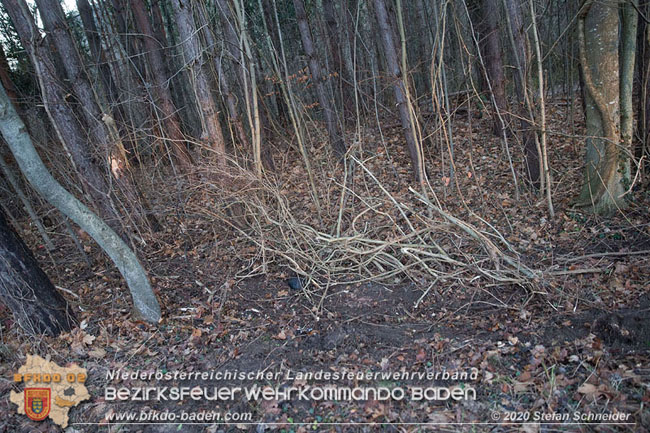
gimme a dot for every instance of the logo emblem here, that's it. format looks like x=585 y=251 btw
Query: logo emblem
x=37 y=403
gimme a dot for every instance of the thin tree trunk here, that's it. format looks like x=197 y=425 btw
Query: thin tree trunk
x=542 y=115
x=491 y=47
x=520 y=79
x=53 y=18
x=96 y=50
x=32 y=167
x=121 y=46
x=37 y=307
x=102 y=127
x=164 y=103
x=425 y=44
x=249 y=65
x=329 y=13
x=331 y=123
x=395 y=73
x=279 y=101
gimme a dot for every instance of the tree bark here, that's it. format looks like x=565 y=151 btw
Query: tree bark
x=36 y=305
x=277 y=89
x=642 y=147
x=329 y=13
x=164 y=102
x=102 y=128
x=331 y=122
x=193 y=59
x=395 y=73
x=629 y=22
x=224 y=86
x=606 y=172
x=491 y=48
x=5 y=79
x=32 y=167
x=520 y=79
x=53 y=18
x=96 y=50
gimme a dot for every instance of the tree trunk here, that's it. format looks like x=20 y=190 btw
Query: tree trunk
x=96 y=50
x=179 y=83
x=395 y=73
x=224 y=86
x=520 y=79
x=277 y=89
x=102 y=128
x=331 y=122
x=96 y=120
x=491 y=49
x=642 y=147
x=193 y=59
x=12 y=179
x=329 y=13
x=425 y=45
x=164 y=102
x=32 y=167
x=123 y=52
x=629 y=22
x=36 y=305
x=606 y=174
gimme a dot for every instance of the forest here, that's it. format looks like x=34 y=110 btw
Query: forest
x=383 y=215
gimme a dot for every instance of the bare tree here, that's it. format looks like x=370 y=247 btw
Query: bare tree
x=138 y=205
x=95 y=45
x=224 y=85
x=491 y=47
x=521 y=57
x=642 y=148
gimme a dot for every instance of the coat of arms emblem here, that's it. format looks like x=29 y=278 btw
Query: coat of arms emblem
x=37 y=403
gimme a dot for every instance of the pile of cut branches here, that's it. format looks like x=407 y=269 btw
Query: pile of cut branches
x=370 y=237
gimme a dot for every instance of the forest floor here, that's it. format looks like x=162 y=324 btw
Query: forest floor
x=574 y=344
